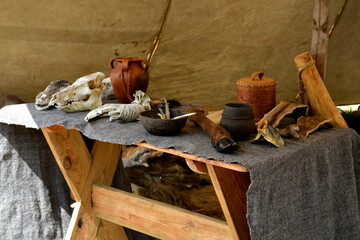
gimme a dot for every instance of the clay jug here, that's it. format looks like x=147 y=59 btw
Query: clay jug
x=128 y=75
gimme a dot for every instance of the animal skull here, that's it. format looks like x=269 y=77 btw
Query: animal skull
x=84 y=94
x=42 y=100
x=108 y=91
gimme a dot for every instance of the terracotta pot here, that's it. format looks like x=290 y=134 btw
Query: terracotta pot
x=128 y=75
x=238 y=120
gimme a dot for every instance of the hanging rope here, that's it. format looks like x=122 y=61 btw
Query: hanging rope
x=301 y=89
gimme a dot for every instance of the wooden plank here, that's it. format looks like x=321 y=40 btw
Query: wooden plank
x=110 y=231
x=85 y=224
x=155 y=218
x=196 y=166
x=233 y=166
x=231 y=187
x=320 y=37
x=72 y=156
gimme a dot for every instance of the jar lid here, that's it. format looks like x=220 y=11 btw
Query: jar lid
x=257 y=78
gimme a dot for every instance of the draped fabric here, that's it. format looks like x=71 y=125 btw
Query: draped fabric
x=309 y=189
x=34 y=197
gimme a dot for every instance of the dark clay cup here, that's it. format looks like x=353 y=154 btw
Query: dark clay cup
x=238 y=120
x=162 y=127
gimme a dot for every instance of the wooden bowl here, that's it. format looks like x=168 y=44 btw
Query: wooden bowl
x=162 y=127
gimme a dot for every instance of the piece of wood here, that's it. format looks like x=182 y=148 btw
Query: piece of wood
x=71 y=155
x=320 y=100
x=233 y=166
x=110 y=231
x=105 y=158
x=281 y=110
x=195 y=166
x=155 y=218
x=231 y=187
x=309 y=124
x=320 y=36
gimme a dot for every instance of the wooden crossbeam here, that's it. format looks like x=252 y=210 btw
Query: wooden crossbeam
x=154 y=218
x=232 y=166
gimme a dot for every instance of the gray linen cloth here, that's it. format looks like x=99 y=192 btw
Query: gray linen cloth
x=307 y=190
x=34 y=197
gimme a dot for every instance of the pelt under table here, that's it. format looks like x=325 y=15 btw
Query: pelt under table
x=307 y=190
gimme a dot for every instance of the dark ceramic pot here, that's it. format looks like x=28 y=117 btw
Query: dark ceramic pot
x=238 y=120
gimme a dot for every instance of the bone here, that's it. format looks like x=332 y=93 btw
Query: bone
x=120 y=111
x=289 y=131
x=42 y=100
x=116 y=111
x=269 y=133
x=84 y=94
x=108 y=91
x=219 y=137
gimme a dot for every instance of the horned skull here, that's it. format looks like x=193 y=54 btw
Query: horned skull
x=84 y=94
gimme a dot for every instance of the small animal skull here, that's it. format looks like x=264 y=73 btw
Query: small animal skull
x=42 y=100
x=108 y=91
x=84 y=94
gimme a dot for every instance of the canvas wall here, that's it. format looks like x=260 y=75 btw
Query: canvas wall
x=206 y=45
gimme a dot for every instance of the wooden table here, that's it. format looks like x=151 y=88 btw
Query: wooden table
x=101 y=212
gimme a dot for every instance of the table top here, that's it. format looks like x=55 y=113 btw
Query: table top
x=296 y=192
x=192 y=139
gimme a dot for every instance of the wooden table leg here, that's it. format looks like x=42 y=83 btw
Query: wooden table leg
x=71 y=155
x=231 y=187
x=81 y=170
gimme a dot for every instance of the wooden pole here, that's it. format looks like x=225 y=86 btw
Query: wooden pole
x=320 y=37
x=320 y=100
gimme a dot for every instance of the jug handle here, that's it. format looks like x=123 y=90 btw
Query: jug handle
x=123 y=61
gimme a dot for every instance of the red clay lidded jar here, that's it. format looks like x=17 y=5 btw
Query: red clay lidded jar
x=258 y=91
